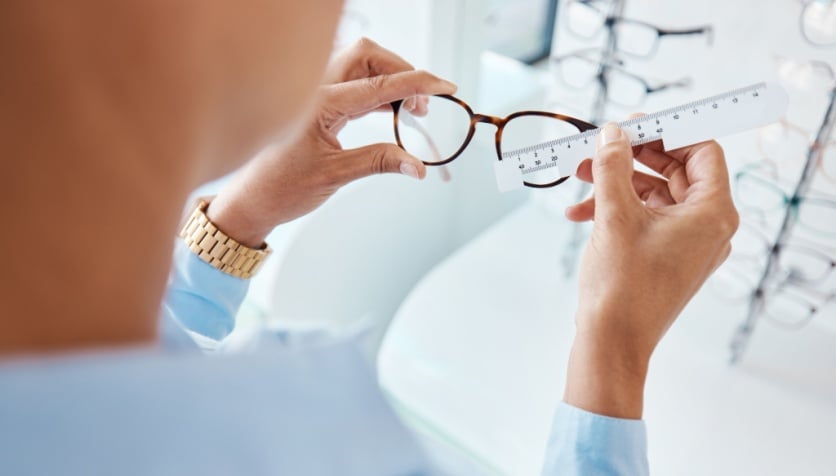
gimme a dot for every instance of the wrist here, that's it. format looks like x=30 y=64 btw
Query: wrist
x=606 y=374
x=236 y=223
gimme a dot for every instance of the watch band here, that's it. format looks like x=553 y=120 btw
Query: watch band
x=219 y=250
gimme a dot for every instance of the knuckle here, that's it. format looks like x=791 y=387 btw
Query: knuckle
x=364 y=44
x=423 y=74
x=377 y=161
x=377 y=83
x=728 y=223
x=715 y=149
x=719 y=223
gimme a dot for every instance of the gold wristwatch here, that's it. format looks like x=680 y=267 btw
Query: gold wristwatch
x=219 y=250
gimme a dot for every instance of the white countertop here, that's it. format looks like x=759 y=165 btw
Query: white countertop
x=476 y=357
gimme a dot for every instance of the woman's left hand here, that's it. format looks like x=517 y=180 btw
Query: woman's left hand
x=282 y=184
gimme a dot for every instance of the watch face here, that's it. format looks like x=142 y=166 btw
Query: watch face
x=521 y=29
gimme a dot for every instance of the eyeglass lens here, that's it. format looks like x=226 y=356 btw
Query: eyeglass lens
x=624 y=88
x=588 y=19
x=761 y=195
x=818 y=22
x=436 y=135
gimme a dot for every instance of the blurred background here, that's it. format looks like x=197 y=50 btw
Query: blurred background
x=465 y=297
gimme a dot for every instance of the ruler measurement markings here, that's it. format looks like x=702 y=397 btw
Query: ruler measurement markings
x=645 y=129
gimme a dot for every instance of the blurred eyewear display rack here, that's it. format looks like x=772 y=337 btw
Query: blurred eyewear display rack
x=775 y=278
x=587 y=20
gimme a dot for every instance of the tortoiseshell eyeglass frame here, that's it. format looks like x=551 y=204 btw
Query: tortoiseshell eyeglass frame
x=500 y=123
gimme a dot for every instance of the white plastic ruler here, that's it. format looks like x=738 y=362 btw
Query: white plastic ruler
x=713 y=117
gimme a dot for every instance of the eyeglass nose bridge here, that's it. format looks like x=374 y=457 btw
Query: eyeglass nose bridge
x=497 y=121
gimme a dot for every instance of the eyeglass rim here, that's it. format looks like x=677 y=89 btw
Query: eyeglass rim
x=617 y=67
x=500 y=123
x=806 y=4
x=609 y=21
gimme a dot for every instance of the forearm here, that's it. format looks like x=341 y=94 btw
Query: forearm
x=606 y=374
x=598 y=428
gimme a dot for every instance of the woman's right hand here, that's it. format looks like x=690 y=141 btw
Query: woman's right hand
x=654 y=243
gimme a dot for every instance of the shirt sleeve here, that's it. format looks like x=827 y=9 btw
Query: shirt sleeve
x=584 y=443
x=200 y=303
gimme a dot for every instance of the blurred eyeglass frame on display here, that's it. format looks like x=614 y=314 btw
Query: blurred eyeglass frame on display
x=613 y=74
x=785 y=133
x=818 y=22
x=772 y=279
x=651 y=35
x=757 y=193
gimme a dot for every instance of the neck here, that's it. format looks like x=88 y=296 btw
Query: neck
x=83 y=265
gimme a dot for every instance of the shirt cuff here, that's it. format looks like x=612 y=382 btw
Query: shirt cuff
x=585 y=443
x=201 y=298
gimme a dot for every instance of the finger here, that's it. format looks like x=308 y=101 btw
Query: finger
x=653 y=191
x=653 y=156
x=612 y=171
x=660 y=162
x=706 y=162
x=581 y=212
x=377 y=159
x=584 y=172
x=361 y=96
x=363 y=59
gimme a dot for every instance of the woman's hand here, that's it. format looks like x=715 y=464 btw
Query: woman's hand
x=282 y=184
x=654 y=243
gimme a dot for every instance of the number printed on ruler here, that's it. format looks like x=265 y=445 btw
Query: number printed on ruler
x=716 y=116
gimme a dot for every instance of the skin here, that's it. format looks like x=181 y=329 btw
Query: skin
x=114 y=111
x=286 y=182
x=654 y=242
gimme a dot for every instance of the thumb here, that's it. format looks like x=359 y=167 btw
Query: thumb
x=379 y=159
x=612 y=171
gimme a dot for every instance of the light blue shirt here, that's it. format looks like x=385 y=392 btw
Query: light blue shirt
x=296 y=411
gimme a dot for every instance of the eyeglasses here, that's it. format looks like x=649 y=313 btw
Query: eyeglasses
x=784 y=142
x=805 y=262
x=440 y=129
x=818 y=22
x=759 y=194
x=578 y=70
x=806 y=75
x=781 y=281
x=785 y=301
x=782 y=290
x=585 y=19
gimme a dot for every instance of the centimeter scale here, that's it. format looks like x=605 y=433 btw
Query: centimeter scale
x=716 y=116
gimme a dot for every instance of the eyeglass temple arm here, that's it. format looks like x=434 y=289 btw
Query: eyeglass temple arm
x=411 y=122
x=707 y=30
x=682 y=83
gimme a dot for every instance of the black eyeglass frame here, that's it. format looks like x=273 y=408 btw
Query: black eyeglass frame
x=604 y=68
x=500 y=123
x=609 y=22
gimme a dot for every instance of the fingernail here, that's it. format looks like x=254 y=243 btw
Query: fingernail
x=610 y=133
x=450 y=84
x=410 y=170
